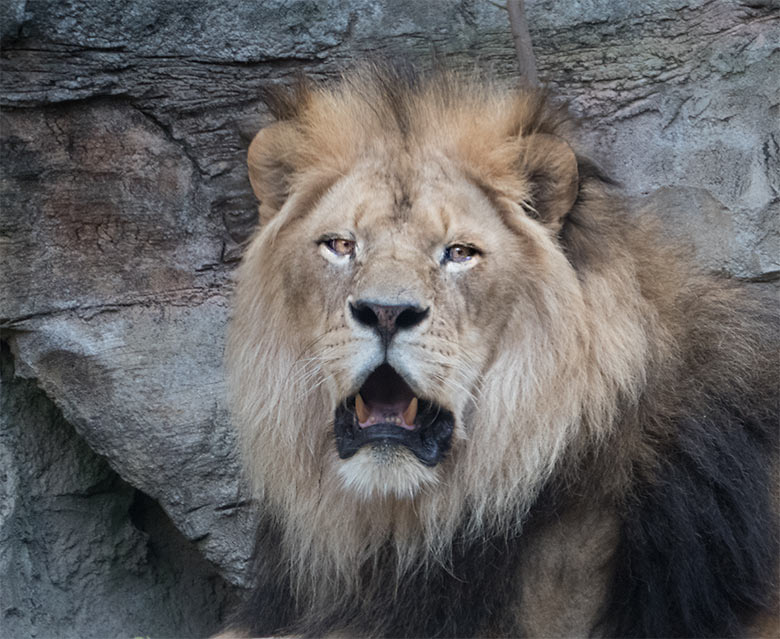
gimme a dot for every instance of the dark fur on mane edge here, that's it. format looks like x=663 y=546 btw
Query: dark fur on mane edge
x=698 y=550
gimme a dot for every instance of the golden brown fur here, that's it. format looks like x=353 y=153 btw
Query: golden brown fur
x=567 y=350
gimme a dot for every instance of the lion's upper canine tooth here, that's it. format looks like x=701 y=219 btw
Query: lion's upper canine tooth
x=411 y=412
x=360 y=409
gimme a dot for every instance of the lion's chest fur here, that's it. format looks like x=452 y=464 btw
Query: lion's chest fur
x=565 y=571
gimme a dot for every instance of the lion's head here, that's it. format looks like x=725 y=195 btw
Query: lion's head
x=412 y=350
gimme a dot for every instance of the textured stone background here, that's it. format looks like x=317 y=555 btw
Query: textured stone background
x=125 y=202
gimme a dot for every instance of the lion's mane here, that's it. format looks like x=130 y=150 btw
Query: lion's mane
x=627 y=392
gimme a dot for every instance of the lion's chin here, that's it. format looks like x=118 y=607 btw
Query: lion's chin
x=386 y=470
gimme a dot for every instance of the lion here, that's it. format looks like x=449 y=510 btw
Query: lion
x=476 y=396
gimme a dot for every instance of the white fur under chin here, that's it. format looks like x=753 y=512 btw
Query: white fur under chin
x=385 y=471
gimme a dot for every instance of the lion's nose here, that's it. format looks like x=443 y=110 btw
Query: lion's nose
x=387 y=320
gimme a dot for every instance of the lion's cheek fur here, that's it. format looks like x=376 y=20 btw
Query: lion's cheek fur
x=271 y=395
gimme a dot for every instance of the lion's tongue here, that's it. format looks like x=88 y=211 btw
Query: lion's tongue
x=386 y=398
x=400 y=413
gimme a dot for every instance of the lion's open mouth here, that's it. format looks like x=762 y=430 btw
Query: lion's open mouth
x=386 y=411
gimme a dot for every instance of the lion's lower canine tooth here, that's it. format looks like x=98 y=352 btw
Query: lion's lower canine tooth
x=411 y=412
x=360 y=409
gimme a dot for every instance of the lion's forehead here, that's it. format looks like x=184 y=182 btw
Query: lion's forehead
x=425 y=201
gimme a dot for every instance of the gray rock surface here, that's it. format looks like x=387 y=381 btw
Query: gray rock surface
x=81 y=551
x=124 y=203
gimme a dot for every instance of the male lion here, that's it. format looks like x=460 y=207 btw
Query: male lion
x=479 y=399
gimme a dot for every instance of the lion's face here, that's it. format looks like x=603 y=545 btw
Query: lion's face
x=398 y=280
x=410 y=346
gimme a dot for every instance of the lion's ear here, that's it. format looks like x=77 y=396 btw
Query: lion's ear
x=551 y=166
x=272 y=167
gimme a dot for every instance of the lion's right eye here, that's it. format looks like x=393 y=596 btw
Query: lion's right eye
x=340 y=246
x=459 y=253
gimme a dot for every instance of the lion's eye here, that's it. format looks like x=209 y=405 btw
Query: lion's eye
x=459 y=253
x=341 y=246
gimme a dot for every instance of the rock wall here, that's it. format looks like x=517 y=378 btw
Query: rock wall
x=82 y=552
x=124 y=204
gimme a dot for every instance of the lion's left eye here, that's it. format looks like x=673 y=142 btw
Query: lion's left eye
x=341 y=247
x=459 y=253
